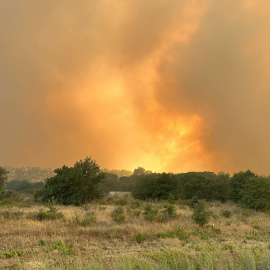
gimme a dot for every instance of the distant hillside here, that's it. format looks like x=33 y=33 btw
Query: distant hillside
x=32 y=174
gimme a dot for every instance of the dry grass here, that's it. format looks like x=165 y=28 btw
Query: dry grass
x=106 y=239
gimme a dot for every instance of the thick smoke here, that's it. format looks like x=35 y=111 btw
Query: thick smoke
x=169 y=85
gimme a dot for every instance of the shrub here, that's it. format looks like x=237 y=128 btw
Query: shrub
x=200 y=214
x=88 y=220
x=118 y=214
x=64 y=248
x=169 y=210
x=167 y=214
x=42 y=215
x=150 y=214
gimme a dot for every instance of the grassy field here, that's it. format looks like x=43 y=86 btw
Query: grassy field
x=130 y=234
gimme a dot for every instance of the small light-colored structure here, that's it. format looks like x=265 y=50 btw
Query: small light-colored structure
x=119 y=194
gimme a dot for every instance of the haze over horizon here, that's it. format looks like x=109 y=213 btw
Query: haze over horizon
x=169 y=85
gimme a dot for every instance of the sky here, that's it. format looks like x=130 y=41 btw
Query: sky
x=169 y=85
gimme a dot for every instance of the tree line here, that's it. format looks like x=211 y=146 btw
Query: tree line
x=85 y=182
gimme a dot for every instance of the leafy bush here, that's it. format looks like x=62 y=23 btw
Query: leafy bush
x=150 y=214
x=167 y=214
x=200 y=214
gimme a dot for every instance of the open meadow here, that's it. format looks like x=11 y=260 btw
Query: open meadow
x=131 y=234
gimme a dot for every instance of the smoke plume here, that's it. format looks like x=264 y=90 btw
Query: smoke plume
x=170 y=85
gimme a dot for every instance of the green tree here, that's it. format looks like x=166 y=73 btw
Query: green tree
x=3 y=180
x=196 y=185
x=74 y=185
x=139 y=171
x=200 y=214
x=255 y=193
x=158 y=186
x=237 y=183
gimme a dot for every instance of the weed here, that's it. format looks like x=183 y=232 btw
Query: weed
x=42 y=215
x=226 y=213
x=135 y=204
x=139 y=237
x=66 y=249
x=205 y=235
x=179 y=233
x=12 y=252
x=81 y=248
x=215 y=230
x=42 y=243
x=136 y=213
x=121 y=202
x=227 y=247
x=202 y=234
x=255 y=225
x=252 y=237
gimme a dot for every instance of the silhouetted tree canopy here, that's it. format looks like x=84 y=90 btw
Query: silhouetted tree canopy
x=74 y=185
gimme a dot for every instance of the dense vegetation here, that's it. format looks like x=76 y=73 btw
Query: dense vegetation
x=74 y=185
x=19 y=185
x=85 y=182
x=244 y=188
